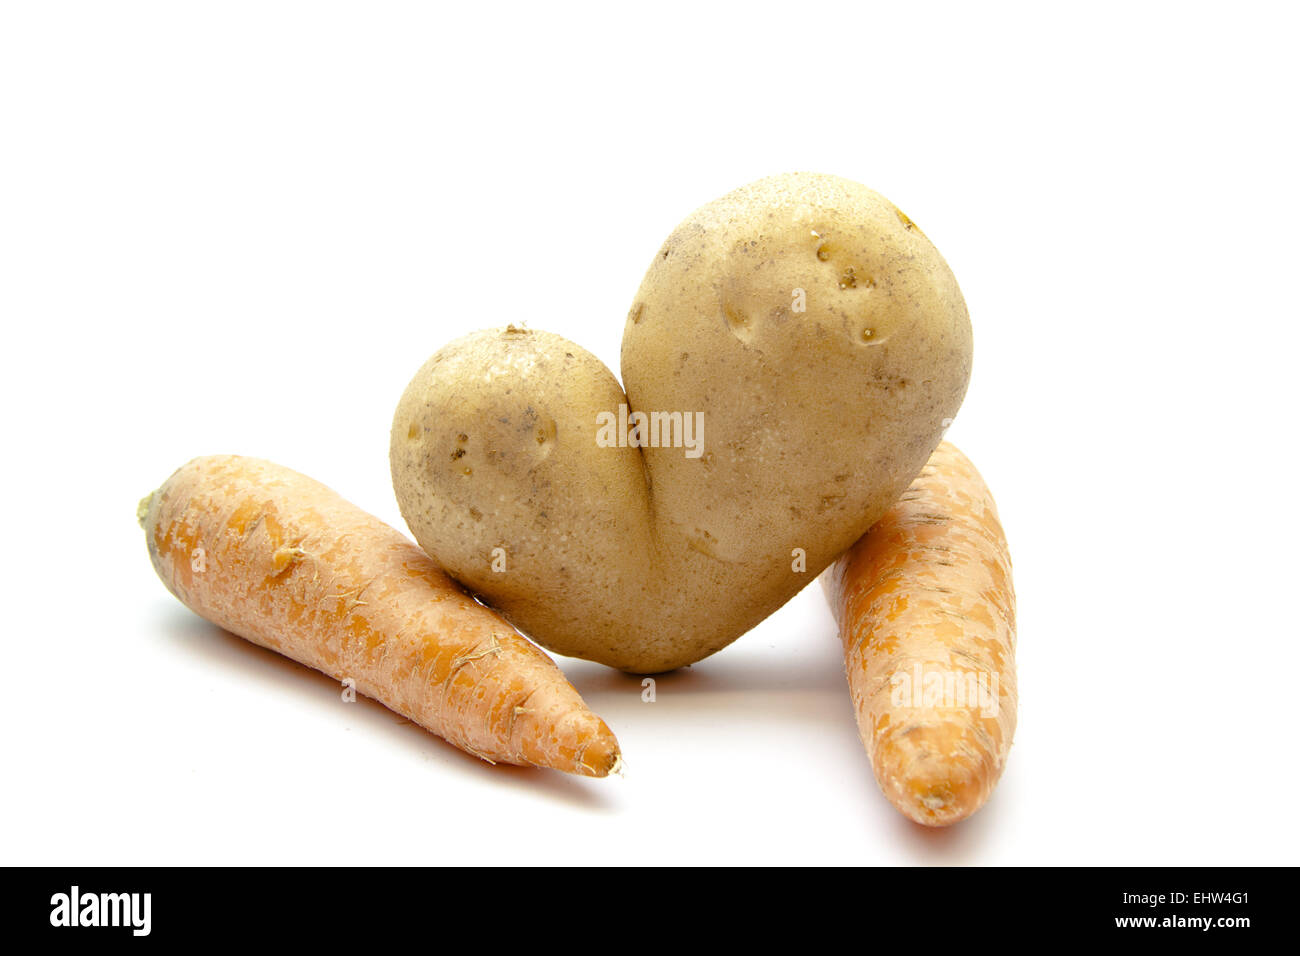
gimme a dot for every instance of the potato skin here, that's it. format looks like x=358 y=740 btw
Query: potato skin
x=813 y=325
x=493 y=447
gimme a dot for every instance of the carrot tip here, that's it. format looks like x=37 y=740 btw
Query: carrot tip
x=936 y=800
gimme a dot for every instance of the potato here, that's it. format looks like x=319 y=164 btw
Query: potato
x=798 y=347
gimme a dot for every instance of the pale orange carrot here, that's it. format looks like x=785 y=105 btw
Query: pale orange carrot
x=926 y=610
x=283 y=561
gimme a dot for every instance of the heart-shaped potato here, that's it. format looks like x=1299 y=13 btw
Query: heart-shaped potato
x=797 y=349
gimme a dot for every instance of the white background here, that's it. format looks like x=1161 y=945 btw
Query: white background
x=241 y=227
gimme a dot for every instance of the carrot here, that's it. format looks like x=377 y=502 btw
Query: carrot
x=284 y=562
x=926 y=611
